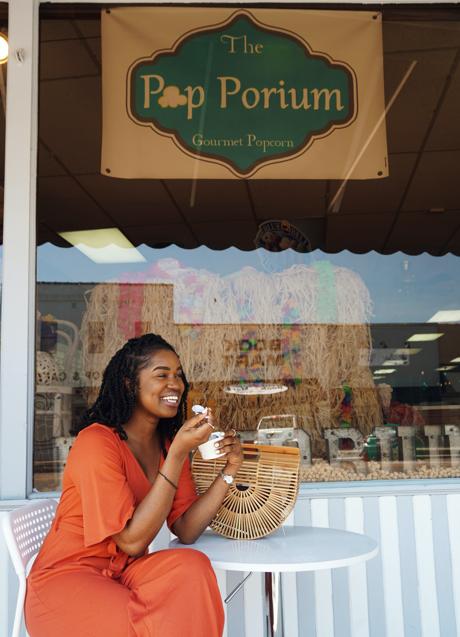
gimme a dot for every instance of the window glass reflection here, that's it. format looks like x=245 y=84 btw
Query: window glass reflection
x=334 y=353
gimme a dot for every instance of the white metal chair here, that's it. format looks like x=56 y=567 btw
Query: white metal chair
x=25 y=529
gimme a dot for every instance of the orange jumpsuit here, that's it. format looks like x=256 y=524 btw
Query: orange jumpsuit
x=83 y=585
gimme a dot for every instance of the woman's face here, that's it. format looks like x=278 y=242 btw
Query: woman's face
x=161 y=385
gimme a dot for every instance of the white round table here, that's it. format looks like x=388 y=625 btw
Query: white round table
x=289 y=549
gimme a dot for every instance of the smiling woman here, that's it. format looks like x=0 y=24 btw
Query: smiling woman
x=148 y=380
x=127 y=473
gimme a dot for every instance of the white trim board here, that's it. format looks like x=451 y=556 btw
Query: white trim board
x=371 y=488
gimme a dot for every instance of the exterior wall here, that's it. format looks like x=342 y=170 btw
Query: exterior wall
x=411 y=589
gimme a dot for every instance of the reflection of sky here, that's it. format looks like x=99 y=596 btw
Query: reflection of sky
x=403 y=288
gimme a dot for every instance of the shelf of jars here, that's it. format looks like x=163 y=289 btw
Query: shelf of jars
x=390 y=452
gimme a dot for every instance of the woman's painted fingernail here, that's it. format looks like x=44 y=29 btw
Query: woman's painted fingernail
x=216 y=445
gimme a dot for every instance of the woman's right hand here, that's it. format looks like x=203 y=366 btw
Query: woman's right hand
x=193 y=432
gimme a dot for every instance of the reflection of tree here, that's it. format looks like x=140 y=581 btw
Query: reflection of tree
x=306 y=327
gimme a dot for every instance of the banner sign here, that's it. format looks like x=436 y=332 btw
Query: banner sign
x=214 y=93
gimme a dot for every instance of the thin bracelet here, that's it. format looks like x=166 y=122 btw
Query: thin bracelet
x=168 y=480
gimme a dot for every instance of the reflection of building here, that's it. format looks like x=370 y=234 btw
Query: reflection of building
x=58 y=382
x=253 y=344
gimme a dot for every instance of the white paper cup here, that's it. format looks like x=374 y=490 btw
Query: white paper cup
x=208 y=450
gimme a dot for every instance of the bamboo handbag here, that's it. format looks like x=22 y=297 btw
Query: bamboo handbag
x=263 y=493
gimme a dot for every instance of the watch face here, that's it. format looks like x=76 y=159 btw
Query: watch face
x=228 y=479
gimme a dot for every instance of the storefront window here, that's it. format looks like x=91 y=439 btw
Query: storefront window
x=311 y=312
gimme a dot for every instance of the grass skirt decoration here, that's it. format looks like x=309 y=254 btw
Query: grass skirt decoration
x=306 y=327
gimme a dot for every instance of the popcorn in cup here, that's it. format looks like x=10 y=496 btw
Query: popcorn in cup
x=208 y=449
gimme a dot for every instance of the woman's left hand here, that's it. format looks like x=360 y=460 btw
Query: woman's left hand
x=231 y=446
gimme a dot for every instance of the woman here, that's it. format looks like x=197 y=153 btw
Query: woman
x=127 y=472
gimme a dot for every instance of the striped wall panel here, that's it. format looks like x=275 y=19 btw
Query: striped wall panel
x=411 y=589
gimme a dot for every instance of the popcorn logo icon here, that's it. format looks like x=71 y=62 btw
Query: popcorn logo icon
x=172 y=98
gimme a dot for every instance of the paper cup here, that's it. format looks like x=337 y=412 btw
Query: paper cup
x=208 y=450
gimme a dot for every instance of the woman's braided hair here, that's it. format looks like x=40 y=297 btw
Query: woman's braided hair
x=118 y=393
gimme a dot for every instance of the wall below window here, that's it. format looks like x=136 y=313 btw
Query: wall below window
x=408 y=590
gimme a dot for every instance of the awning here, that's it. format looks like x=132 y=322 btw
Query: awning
x=416 y=209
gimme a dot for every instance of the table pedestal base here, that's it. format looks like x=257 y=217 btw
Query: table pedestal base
x=273 y=607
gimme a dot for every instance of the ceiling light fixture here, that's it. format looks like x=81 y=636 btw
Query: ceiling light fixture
x=396 y=362
x=407 y=351
x=445 y=316
x=384 y=371
x=3 y=48
x=446 y=368
x=106 y=245
x=419 y=338
x=455 y=360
